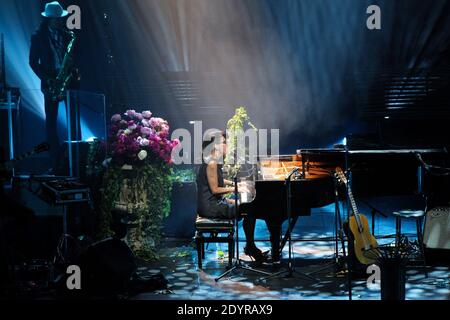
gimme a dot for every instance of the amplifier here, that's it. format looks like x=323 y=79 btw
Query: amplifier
x=61 y=192
x=437 y=228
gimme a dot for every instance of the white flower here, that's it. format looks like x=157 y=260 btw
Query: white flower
x=143 y=142
x=142 y=154
x=127 y=131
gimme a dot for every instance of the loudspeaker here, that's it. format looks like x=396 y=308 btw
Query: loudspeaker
x=107 y=267
x=436 y=237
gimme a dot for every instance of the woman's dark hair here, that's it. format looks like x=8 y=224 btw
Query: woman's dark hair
x=212 y=138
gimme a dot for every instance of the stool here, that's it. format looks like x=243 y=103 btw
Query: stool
x=208 y=230
x=418 y=216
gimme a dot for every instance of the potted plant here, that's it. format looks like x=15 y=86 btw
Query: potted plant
x=137 y=182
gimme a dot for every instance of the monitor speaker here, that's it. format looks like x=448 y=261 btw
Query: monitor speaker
x=436 y=237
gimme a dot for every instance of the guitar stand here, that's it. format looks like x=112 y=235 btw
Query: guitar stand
x=238 y=263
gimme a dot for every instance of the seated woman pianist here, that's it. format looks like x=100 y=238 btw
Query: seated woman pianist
x=212 y=188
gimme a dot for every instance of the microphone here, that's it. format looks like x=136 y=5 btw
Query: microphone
x=289 y=175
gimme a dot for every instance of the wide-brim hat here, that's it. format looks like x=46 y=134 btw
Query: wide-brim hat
x=54 y=10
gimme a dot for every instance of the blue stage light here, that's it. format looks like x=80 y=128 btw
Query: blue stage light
x=17 y=28
x=18 y=20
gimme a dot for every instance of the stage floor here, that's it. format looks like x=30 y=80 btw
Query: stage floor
x=178 y=264
x=313 y=252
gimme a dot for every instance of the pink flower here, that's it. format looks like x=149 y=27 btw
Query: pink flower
x=144 y=142
x=116 y=118
x=175 y=142
x=137 y=133
x=146 y=114
x=164 y=130
x=156 y=122
x=131 y=113
x=168 y=147
x=123 y=124
x=155 y=138
x=146 y=131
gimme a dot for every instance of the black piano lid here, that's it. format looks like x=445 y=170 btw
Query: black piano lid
x=371 y=151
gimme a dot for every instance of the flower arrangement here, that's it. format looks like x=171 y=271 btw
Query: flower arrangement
x=138 y=179
x=136 y=138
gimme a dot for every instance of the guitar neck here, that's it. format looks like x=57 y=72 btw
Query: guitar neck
x=343 y=179
x=9 y=164
x=352 y=202
x=353 y=205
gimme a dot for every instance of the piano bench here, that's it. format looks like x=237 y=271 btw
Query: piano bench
x=208 y=230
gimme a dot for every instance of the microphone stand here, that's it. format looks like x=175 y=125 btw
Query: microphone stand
x=339 y=263
x=238 y=263
x=290 y=270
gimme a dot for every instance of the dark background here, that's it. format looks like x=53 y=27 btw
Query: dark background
x=310 y=68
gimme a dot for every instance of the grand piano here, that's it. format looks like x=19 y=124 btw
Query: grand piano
x=374 y=172
x=311 y=187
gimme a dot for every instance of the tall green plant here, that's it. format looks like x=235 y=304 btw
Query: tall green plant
x=237 y=124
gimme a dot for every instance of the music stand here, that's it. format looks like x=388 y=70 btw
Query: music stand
x=290 y=270
x=238 y=264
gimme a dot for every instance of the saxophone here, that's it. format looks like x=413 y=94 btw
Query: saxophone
x=58 y=86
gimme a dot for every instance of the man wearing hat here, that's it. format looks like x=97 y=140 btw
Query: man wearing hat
x=48 y=48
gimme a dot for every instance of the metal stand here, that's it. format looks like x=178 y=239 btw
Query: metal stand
x=65 y=198
x=339 y=234
x=238 y=264
x=69 y=132
x=62 y=248
x=373 y=211
x=290 y=270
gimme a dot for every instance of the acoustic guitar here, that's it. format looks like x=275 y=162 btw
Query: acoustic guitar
x=365 y=243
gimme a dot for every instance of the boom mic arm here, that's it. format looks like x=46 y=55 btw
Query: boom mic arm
x=443 y=171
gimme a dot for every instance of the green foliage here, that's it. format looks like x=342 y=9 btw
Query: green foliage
x=144 y=194
x=183 y=175
x=235 y=125
x=95 y=158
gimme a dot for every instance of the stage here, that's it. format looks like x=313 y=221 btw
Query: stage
x=148 y=147
x=178 y=264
